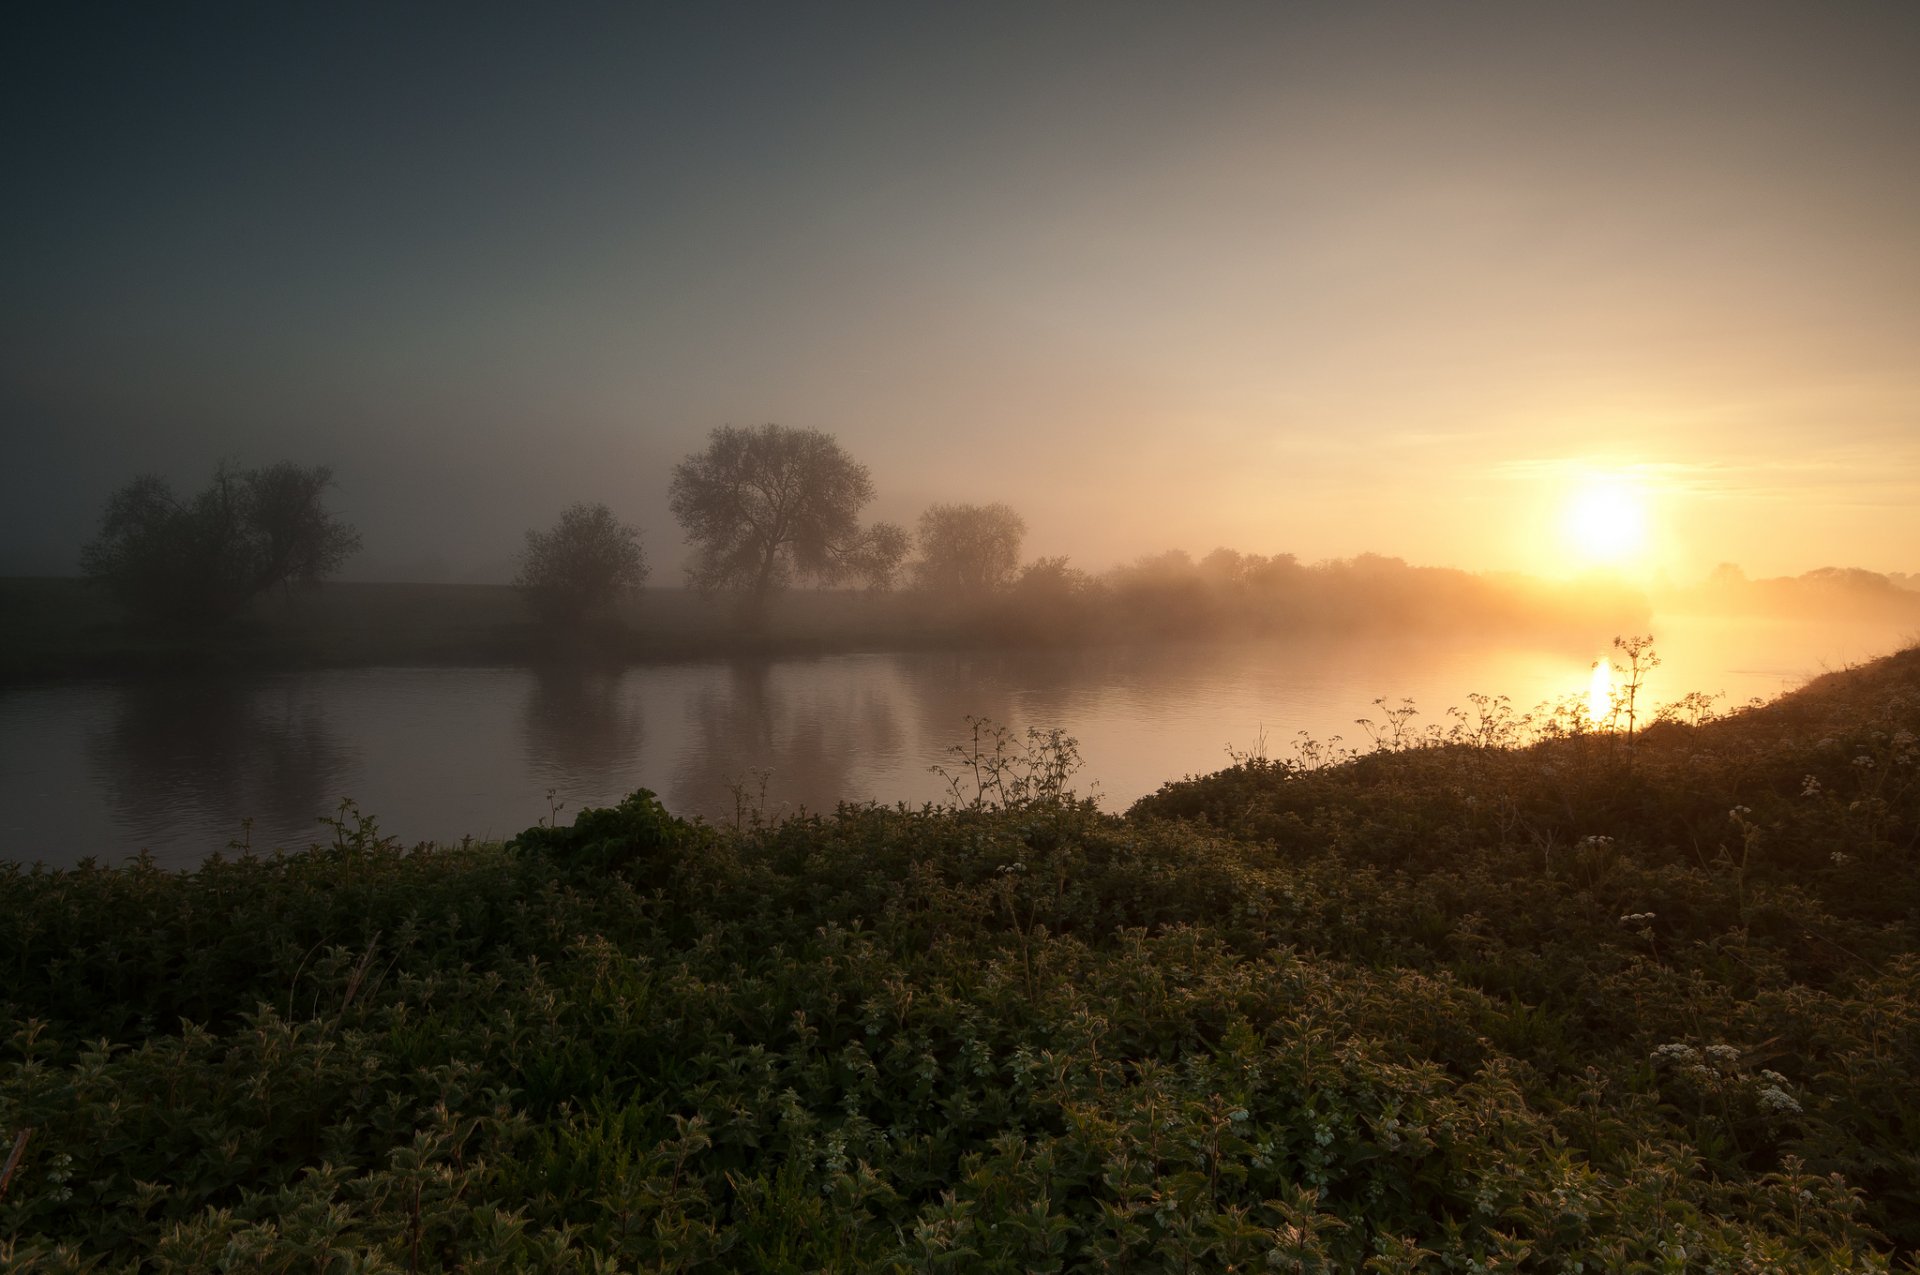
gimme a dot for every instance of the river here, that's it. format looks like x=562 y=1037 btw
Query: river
x=183 y=767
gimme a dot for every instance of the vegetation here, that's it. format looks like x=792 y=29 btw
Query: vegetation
x=61 y=627
x=1462 y=1002
x=967 y=551
x=765 y=507
x=582 y=566
x=199 y=562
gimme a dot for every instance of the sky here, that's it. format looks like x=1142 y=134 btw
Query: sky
x=1455 y=283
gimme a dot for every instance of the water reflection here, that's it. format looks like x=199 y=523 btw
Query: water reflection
x=105 y=768
x=580 y=729
x=216 y=753
x=782 y=737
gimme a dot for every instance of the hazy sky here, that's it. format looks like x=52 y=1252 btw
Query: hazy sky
x=1320 y=279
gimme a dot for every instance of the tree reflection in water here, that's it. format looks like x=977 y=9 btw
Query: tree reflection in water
x=810 y=738
x=221 y=752
x=584 y=734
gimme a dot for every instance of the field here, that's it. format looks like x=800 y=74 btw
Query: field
x=1508 y=996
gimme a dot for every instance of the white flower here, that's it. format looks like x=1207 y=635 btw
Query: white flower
x=1778 y=1101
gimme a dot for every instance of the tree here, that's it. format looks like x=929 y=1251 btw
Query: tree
x=968 y=550
x=201 y=561
x=876 y=563
x=582 y=565
x=765 y=507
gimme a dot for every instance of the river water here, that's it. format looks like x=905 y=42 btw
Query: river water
x=187 y=766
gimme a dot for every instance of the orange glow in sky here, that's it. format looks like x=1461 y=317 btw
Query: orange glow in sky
x=1605 y=523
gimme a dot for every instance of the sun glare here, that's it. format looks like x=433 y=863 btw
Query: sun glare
x=1606 y=522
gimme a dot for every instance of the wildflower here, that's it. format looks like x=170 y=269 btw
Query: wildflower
x=1778 y=1101
x=1675 y=1053
x=1636 y=918
x=1810 y=787
x=1840 y=858
x=1863 y=761
x=1723 y=1053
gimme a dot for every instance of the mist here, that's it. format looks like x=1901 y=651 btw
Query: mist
x=878 y=637
x=1312 y=281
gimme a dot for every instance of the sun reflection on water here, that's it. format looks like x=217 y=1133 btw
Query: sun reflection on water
x=1600 y=691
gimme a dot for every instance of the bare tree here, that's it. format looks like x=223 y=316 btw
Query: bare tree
x=968 y=550
x=582 y=565
x=201 y=561
x=766 y=507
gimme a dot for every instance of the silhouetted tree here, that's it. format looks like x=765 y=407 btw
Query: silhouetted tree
x=582 y=565
x=967 y=550
x=768 y=506
x=201 y=561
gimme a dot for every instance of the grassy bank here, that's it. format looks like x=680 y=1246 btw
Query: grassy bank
x=62 y=628
x=1452 y=1005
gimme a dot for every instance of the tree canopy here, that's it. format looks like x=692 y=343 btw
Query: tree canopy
x=768 y=506
x=201 y=560
x=967 y=550
x=581 y=565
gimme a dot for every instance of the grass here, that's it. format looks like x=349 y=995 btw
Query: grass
x=1458 y=1003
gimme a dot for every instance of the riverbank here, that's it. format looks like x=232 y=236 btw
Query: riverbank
x=1446 y=1003
x=60 y=628
x=63 y=628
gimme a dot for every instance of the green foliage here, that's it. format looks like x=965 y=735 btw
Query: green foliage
x=1451 y=1005
x=632 y=835
x=201 y=561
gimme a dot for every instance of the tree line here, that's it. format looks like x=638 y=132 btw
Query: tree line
x=770 y=507
x=763 y=509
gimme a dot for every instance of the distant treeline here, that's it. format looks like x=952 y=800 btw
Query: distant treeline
x=1229 y=593
x=1832 y=592
x=770 y=508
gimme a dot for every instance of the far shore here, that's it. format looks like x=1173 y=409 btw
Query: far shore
x=60 y=628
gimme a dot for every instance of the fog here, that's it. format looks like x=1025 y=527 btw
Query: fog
x=1314 y=281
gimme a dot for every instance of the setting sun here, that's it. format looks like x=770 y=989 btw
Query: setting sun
x=1606 y=522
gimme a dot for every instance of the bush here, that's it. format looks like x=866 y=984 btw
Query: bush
x=1451 y=1005
x=582 y=565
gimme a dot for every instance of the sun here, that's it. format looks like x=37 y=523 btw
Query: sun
x=1606 y=521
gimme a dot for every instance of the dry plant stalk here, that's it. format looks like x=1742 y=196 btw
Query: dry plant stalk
x=13 y=1158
